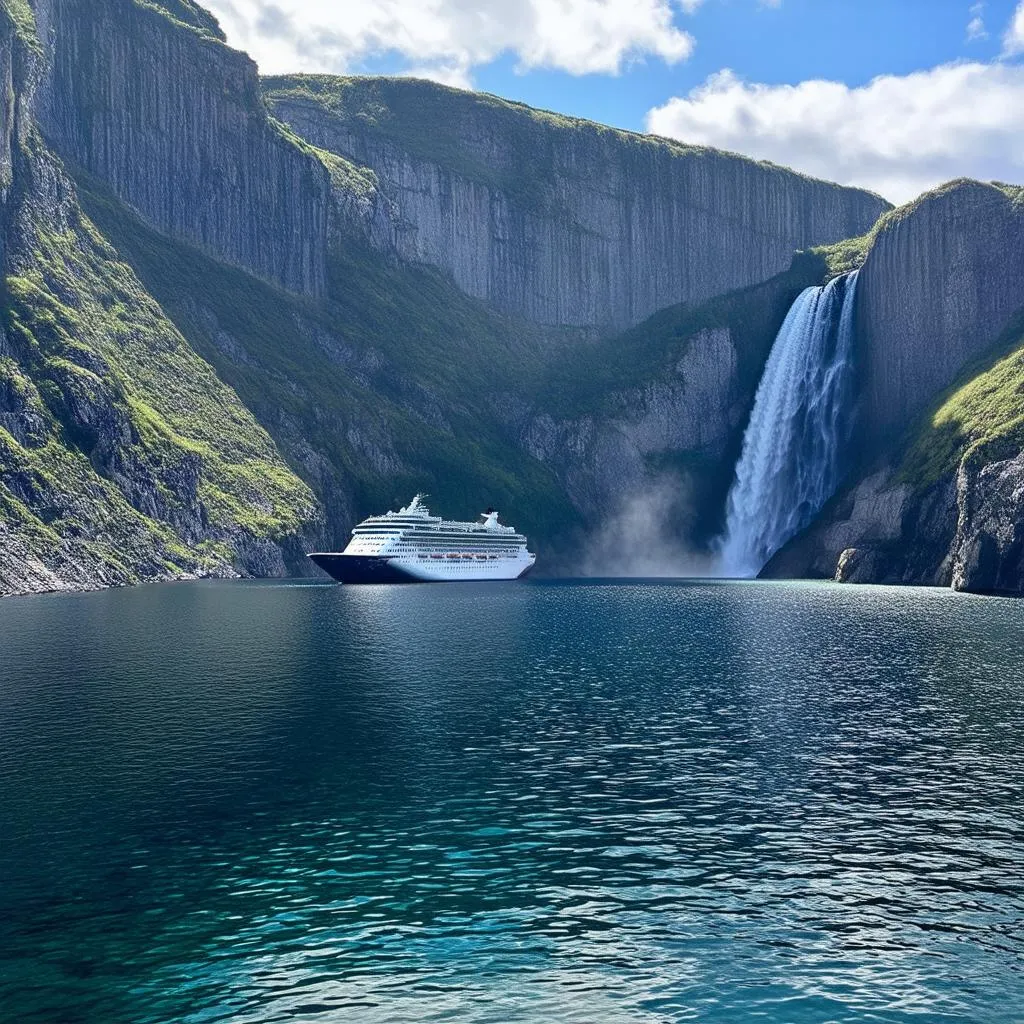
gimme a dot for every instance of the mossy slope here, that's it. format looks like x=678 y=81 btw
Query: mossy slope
x=387 y=387
x=123 y=457
x=980 y=419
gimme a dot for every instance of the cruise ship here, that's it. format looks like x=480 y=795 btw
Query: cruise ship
x=412 y=546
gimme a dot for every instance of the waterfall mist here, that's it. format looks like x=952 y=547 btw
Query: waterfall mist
x=799 y=429
x=642 y=536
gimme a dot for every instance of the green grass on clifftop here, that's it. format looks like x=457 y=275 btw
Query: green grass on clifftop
x=23 y=20
x=588 y=379
x=456 y=129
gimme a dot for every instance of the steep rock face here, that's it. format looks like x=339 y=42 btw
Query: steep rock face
x=878 y=531
x=152 y=101
x=988 y=551
x=695 y=409
x=965 y=531
x=941 y=281
x=386 y=387
x=561 y=221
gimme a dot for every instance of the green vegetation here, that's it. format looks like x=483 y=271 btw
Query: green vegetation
x=386 y=388
x=22 y=20
x=895 y=216
x=396 y=382
x=844 y=257
x=980 y=419
x=851 y=254
x=591 y=379
x=1015 y=192
x=130 y=448
x=186 y=14
x=345 y=175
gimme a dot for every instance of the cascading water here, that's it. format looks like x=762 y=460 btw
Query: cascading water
x=799 y=429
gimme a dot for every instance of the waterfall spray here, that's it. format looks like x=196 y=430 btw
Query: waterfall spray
x=794 y=446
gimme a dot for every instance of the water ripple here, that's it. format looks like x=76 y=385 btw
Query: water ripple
x=253 y=803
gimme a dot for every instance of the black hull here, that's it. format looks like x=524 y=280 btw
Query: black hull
x=361 y=569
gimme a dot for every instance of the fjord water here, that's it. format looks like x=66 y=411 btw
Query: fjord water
x=511 y=802
x=795 y=443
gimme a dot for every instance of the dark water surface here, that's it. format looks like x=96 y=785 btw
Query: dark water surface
x=528 y=802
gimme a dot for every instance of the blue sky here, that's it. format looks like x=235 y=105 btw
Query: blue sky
x=851 y=41
x=894 y=95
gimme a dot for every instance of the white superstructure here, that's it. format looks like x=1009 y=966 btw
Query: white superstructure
x=414 y=544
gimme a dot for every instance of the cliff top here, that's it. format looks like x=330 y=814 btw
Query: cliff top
x=185 y=13
x=851 y=253
x=962 y=188
x=433 y=121
x=982 y=414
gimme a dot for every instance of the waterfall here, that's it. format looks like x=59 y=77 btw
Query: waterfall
x=794 y=446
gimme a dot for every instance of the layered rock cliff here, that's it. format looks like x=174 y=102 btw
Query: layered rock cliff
x=647 y=425
x=147 y=97
x=561 y=221
x=225 y=340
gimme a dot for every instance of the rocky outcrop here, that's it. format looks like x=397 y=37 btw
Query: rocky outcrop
x=987 y=554
x=695 y=409
x=966 y=531
x=941 y=281
x=877 y=531
x=561 y=221
x=150 y=99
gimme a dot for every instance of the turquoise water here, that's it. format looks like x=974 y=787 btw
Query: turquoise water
x=530 y=802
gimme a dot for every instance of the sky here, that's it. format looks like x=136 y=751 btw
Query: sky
x=896 y=96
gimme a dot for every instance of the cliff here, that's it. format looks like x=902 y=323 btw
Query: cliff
x=939 y=285
x=224 y=343
x=561 y=221
x=652 y=420
x=150 y=99
x=122 y=456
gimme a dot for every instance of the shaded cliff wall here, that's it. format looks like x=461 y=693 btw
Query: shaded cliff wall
x=152 y=101
x=562 y=221
x=965 y=531
x=941 y=281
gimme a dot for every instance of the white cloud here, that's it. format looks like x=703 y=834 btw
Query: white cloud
x=898 y=135
x=1013 y=41
x=446 y=39
x=976 y=26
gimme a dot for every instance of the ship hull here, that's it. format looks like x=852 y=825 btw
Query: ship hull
x=383 y=569
x=362 y=569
